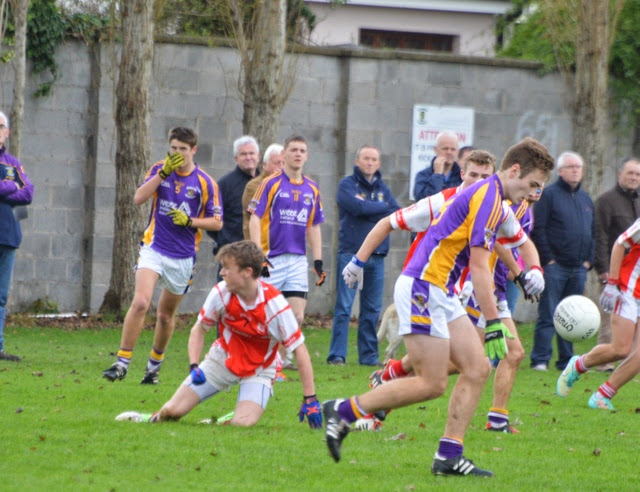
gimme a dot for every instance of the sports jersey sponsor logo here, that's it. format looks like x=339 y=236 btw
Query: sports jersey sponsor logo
x=285 y=212
x=283 y=194
x=165 y=184
x=302 y=216
x=184 y=206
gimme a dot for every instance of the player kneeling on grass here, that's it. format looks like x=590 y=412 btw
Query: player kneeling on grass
x=254 y=320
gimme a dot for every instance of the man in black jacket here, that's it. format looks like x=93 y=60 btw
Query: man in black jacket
x=246 y=153
x=563 y=231
x=615 y=211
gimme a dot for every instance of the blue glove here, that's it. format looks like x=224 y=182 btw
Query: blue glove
x=495 y=339
x=197 y=376
x=311 y=408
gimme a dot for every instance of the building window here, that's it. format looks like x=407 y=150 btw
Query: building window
x=407 y=40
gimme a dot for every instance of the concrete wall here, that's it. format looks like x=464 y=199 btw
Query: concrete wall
x=341 y=100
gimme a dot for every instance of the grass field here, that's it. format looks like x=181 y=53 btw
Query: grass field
x=57 y=429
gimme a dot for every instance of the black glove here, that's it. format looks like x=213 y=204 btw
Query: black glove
x=317 y=267
x=521 y=282
x=265 y=268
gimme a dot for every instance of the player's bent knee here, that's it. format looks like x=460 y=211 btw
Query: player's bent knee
x=140 y=304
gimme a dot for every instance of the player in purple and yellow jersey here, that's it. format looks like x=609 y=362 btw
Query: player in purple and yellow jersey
x=185 y=199
x=431 y=318
x=286 y=210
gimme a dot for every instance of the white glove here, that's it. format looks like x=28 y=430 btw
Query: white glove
x=352 y=273
x=609 y=296
x=465 y=293
x=534 y=282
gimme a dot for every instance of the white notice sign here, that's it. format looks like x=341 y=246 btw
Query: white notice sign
x=428 y=122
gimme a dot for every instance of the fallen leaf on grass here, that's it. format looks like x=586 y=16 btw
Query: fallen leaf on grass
x=596 y=452
x=397 y=437
x=497 y=449
x=37 y=373
x=19 y=410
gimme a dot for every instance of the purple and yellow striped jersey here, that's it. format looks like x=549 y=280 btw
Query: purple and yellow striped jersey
x=471 y=218
x=286 y=209
x=196 y=194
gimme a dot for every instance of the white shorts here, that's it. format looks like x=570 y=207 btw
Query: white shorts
x=289 y=273
x=628 y=307
x=257 y=388
x=424 y=308
x=175 y=274
x=503 y=313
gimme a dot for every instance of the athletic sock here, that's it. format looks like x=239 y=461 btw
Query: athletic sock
x=580 y=366
x=498 y=418
x=449 y=448
x=124 y=357
x=607 y=390
x=155 y=360
x=394 y=370
x=350 y=411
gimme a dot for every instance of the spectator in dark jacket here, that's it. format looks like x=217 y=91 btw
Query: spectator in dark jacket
x=246 y=153
x=15 y=190
x=615 y=211
x=563 y=232
x=444 y=171
x=363 y=199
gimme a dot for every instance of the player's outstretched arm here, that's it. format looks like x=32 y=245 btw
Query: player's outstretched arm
x=196 y=343
x=254 y=230
x=310 y=405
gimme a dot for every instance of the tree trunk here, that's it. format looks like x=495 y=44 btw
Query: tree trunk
x=264 y=86
x=591 y=81
x=133 y=147
x=19 y=9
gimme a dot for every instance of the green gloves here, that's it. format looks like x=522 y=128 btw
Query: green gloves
x=180 y=218
x=495 y=344
x=171 y=163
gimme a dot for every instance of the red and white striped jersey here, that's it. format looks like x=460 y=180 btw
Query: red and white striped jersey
x=250 y=335
x=630 y=268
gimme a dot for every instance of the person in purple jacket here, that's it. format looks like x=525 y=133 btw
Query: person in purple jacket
x=15 y=190
x=184 y=199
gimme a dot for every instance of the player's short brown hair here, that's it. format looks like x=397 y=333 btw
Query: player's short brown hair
x=184 y=134
x=246 y=254
x=530 y=155
x=481 y=158
x=294 y=138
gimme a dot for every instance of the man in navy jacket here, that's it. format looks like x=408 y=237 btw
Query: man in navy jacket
x=564 y=232
x=444 y=171
x=363 y=199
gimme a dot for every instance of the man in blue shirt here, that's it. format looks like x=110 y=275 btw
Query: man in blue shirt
x=564 y=232
x=444 y=171
x=363 y=199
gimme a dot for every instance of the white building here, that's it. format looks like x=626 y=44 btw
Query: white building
x=464 y=27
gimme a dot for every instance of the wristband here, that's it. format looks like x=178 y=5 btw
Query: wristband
x=536 y=267
x=317 y=264
x=162 y=174
x=305 y=398
x=613 y=281
x=357 y=262
x=193 y=366
x=492 y=322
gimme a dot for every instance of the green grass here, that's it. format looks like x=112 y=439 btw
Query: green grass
x=57 y=429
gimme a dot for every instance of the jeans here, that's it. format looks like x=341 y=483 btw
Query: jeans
x=370 y=306
x=560 y=282
x=513 y=293
x=7 y=257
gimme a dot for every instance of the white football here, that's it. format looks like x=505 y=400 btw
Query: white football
x=576 y=318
